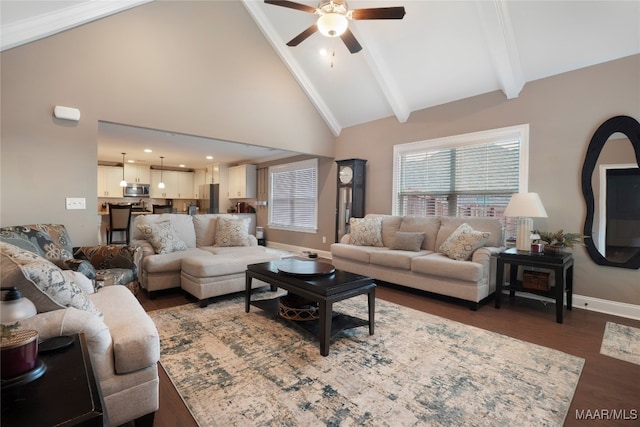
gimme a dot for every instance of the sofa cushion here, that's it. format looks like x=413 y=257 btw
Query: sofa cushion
x=162 y=236
x=407 y=241
x=353 y=252
x=427 y=225
x=366 y=231
x=162 y=263
x=390 y=225
x=51 y=241
x=491 y=225
x=183 y=224
x=462 y=242
x=134 y=348
x=205 y=228
x=46 y=284
x=394 y=258
x=223 y=265
x=232 y=232
x=442 y=266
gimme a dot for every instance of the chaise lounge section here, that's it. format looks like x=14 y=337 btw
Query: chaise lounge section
x=443 y=255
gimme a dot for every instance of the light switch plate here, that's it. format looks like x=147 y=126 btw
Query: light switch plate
x=76 y=203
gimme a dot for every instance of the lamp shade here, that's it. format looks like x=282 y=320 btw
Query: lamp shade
x=14 y=307
x=525 y=205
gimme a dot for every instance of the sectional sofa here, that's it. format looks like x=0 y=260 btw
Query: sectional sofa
x=206 y=255
x=443 y=255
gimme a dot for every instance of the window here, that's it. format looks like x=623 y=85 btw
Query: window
x=466 y=175
x=293 y=195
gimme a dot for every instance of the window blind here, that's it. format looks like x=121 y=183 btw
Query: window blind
x=472 y=179
x=293 y=196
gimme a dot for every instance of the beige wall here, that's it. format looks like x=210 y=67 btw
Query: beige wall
x=178 y=66
x=563 y=112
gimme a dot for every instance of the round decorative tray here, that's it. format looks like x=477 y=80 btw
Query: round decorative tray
x=305 y=268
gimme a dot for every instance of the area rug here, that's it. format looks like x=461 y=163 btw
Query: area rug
x=250 y=369
x=621 y=342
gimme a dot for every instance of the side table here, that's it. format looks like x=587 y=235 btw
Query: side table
x=66 y=395
x=561 y=264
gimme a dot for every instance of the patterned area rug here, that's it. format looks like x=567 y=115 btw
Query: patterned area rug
x=244 y=369
x=621 y=342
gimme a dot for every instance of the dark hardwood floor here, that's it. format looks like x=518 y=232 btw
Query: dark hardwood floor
x=606 y=384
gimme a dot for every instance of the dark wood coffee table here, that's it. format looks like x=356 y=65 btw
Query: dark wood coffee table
x=319 y=282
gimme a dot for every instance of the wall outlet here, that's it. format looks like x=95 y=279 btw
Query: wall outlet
x=76 y=203
x=324 y=239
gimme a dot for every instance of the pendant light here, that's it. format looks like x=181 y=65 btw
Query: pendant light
x=123 y=183
x=161 y=183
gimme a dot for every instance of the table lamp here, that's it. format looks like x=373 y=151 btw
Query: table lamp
x=524 y=206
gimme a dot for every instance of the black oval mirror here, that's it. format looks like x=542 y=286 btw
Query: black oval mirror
x=616 y=242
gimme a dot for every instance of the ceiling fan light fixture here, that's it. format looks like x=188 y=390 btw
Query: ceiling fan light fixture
x=332 y=24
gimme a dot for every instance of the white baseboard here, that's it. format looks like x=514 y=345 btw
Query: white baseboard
x=613 y=308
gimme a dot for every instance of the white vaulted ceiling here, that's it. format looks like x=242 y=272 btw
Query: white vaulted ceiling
x=440 y=52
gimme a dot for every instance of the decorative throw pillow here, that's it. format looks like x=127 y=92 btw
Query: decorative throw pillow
x=47 y=283
x=462 y=242
x=232 y=232
x=366 y=231
x=407 y=241
x=162 y=236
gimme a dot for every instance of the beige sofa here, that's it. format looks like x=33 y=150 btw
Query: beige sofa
x=211 y=259
x=122 y=339
x=423 y=267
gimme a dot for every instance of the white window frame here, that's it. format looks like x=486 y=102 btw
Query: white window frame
x=303 y=164
x=520 y=132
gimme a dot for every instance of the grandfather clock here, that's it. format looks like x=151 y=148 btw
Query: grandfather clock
x=350 y=194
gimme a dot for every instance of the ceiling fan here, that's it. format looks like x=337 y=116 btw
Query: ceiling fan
x=334 y=19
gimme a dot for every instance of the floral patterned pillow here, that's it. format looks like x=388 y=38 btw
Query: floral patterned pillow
x=47 y=281
x=366 y=231
x=232 y=232
x=462 y=242
x=162 y=236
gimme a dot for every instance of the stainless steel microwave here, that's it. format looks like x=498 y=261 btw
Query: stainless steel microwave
x=137 y=190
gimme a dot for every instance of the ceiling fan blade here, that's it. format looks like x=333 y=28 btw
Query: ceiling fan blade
x=292 y=5
x=303 y=35
x=379 y=13
x=350 y=41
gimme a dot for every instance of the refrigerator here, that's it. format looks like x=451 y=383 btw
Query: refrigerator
x=210 y=198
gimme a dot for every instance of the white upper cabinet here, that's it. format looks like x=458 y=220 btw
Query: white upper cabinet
x=137 y=174
x=177 y=185
x=242 y=182
x=109 y=178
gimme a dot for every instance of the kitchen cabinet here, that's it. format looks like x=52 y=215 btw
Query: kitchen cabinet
x=137 y=174
x=185 y=185
x=177 y=185
x=242 y=182
x=199 y=178
x=109 y=178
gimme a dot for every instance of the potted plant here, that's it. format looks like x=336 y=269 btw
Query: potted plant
x=558 y=241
